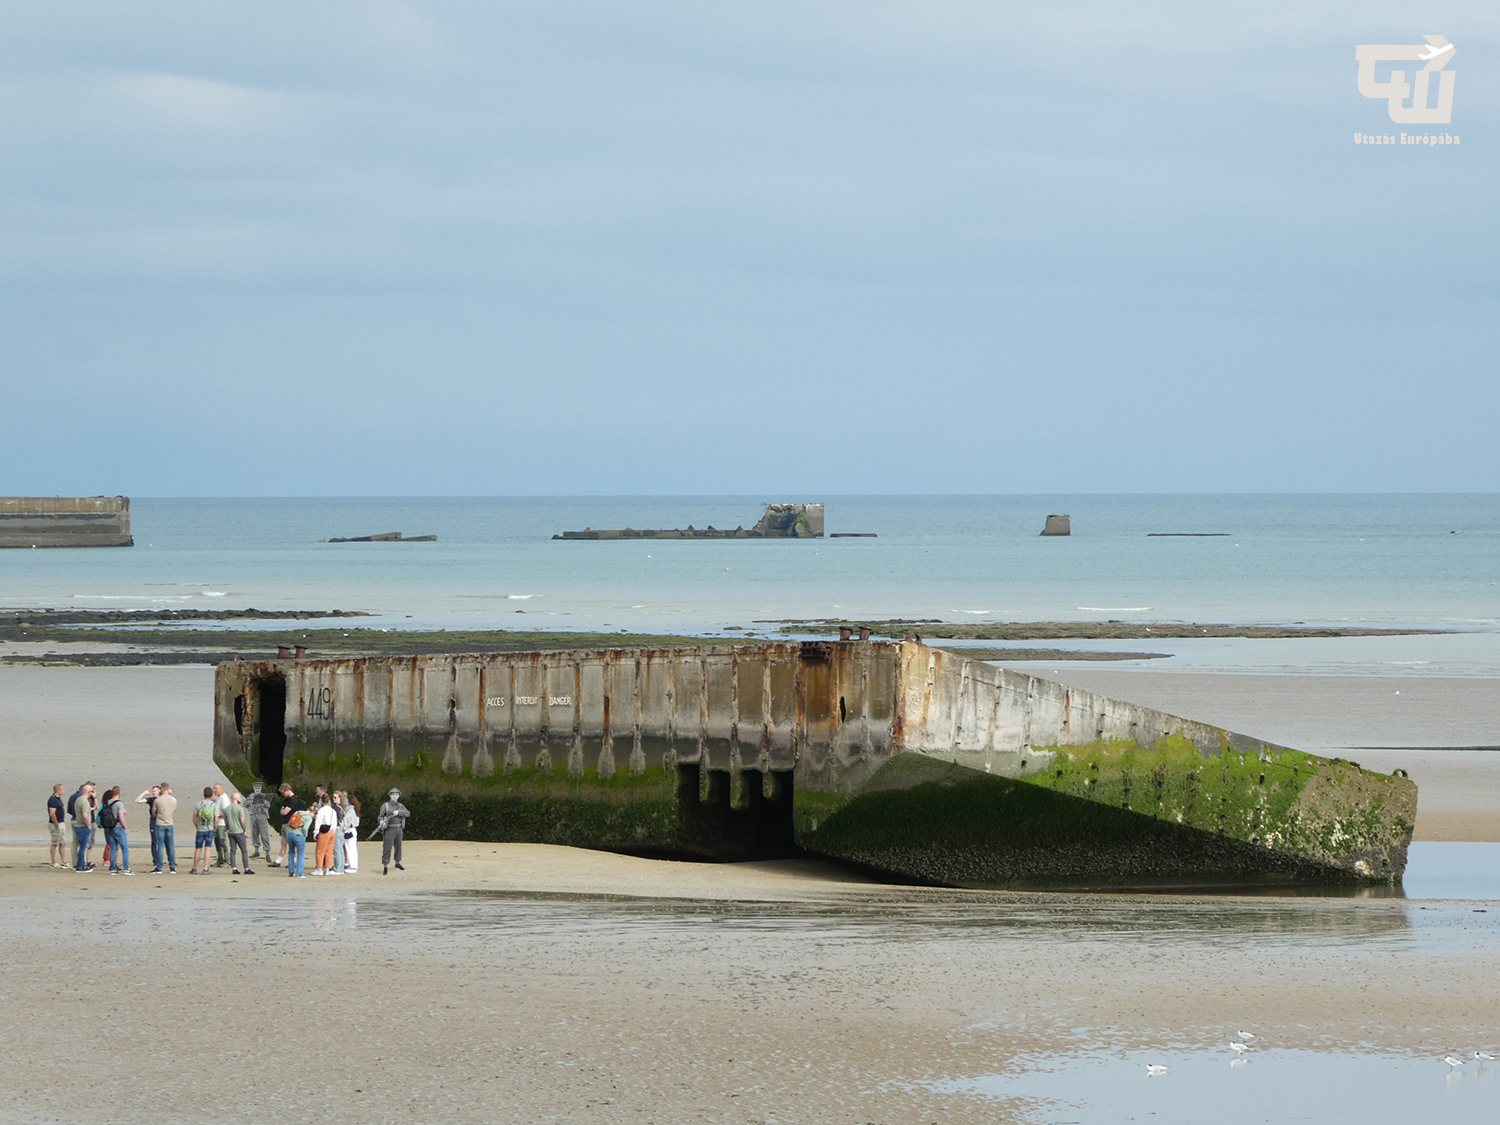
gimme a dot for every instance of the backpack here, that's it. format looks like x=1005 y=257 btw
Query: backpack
x=295 y=823
x=107 y=818
x=203 y=816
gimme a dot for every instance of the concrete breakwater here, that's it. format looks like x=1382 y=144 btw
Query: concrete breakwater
x=907 y=760
x=65 y=521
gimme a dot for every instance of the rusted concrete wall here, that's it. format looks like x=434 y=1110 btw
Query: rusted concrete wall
x=729 y=707
x=65 y=521
x=700 y=750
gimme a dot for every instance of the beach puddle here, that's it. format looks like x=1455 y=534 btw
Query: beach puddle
x=1263 y=1085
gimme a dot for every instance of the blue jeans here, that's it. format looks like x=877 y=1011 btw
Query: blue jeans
x=120 y=858
x=296 y=845
x=155 y=847
x=82 y=835
x=166 y=845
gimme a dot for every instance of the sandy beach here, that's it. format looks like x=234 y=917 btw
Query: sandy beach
x=529 y=983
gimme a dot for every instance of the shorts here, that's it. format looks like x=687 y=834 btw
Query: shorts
x=204 y=839
x=57 y=832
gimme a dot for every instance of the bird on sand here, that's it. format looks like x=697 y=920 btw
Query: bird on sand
x=1245 y=1035
x=1153 y=1069
x=1484 y=1056
x=1239 y=1047
x=1451 y=1061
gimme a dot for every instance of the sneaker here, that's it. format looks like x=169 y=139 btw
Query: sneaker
x=156 y=871
x=192 y=871
x=127 y=872
x=400 y=868
x=335 y=873
x=234 y=870
x=173 y=871
x=385 y=870
x=249 y=871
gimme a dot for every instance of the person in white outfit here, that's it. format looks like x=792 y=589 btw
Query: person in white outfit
x=325 y=835
x=351 y=834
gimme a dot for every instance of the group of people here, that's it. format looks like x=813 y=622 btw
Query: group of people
x=221 y=821
x=332 y=821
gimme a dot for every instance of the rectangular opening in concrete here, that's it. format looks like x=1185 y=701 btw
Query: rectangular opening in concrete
x=270 y=747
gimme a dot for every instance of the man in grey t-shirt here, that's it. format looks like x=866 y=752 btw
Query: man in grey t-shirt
x=83 y=824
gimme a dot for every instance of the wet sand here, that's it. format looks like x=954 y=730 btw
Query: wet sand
x=734 y=993
x=522 y=982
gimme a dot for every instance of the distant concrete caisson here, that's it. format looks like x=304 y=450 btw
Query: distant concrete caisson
x=909 y=761
x=65 y=521
x=780 y=521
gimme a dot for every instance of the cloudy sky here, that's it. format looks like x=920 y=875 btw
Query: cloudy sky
x=569 y=247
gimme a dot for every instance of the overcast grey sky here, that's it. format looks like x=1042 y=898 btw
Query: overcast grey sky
x=566 y=247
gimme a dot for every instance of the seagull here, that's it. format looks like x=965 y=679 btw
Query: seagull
x=1433 y=52
x=1484 y=1056
x=1451 y=1061
x=1246 y=1036
x=1239 y=1047
x=1153 y=1069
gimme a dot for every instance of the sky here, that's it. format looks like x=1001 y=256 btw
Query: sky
x=385 y=248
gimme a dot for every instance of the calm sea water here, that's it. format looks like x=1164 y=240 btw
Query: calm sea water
x=1381 y=560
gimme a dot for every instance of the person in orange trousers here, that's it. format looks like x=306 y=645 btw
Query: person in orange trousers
x=326 y=830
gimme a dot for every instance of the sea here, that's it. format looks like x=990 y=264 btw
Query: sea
x=1398 y=561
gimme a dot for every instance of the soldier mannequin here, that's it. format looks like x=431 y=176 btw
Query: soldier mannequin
x=390 y=826
x=258 y=805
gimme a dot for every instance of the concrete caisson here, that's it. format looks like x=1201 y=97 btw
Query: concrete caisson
x=910 y=761
x=65 y=521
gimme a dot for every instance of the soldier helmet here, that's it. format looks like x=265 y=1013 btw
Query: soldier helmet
x=393 y=794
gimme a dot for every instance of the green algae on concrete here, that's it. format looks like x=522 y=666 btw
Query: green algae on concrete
x=1322 y=810
x=1114 y=812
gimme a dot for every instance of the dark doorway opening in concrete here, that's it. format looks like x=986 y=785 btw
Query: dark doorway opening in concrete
x=270 y=744
x=761 y=828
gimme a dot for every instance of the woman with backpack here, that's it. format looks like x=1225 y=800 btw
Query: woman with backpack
x=112 y=820
x=296 y=825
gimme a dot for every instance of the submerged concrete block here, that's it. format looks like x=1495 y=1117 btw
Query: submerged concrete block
x=908 y=760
